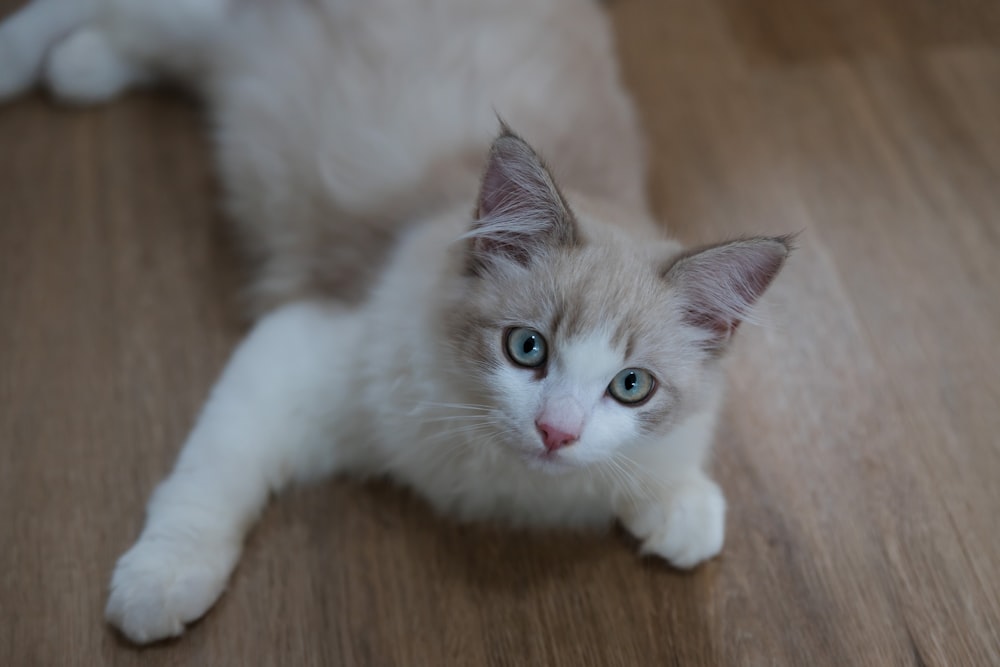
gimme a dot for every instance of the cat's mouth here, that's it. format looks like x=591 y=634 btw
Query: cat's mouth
x=535 y=457
x=552 y=463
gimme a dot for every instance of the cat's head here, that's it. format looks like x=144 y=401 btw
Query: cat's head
x=581 y=340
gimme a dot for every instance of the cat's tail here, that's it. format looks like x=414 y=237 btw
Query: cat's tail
x=88 y=51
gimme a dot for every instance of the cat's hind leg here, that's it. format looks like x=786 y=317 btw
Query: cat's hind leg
x=89 y=51
x=27 y=36
x=131 y=43
x=88 y=68
x=271 y=419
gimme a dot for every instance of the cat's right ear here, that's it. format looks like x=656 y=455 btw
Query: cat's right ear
x=718 y=285
x=520 y=212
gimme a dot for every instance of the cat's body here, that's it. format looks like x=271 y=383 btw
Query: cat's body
x=378 y=111
x=528 y=351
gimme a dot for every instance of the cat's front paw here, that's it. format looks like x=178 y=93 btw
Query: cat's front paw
x=159 y=585
x=686 y=527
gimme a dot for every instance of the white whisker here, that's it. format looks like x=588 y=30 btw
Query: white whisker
x=456 y=406
x=448 y=418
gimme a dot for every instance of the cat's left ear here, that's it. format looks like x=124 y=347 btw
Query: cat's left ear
x=718 y=285
x=520 y=212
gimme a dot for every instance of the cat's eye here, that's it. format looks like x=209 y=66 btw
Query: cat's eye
x=632 y=385
x=526 y=347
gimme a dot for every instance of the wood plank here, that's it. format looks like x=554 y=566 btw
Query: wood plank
x=859 y=453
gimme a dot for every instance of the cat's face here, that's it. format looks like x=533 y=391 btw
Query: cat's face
x=578 y=357
x=579 y=341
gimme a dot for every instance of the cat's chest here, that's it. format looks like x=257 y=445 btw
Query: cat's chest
x=471 y=476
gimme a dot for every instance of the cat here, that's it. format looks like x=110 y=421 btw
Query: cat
x=434 y=303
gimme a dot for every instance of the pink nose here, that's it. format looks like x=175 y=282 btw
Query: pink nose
x=555 y=438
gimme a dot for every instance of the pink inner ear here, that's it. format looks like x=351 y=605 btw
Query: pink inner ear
x=515 y=182
x=720 y=284
x=520 y=210
x=721 y=328
x=498 y=192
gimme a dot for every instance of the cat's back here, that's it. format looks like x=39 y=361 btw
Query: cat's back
x=385 y=97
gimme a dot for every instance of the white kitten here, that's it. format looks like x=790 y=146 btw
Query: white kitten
x=523 y=350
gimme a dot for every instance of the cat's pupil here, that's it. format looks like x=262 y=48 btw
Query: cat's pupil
x=529 y=344
x=630 y=381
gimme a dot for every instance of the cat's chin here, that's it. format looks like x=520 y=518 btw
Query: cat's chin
x=550 y=464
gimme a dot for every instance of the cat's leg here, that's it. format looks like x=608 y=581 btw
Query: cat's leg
x=28 y=34
x=270 y=420
x=675 y=510
x=685 y=525
x=131 y=43
x=88 y=68
x=88 y=51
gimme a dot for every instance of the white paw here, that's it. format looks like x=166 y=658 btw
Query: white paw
x=686 y=529
x=85 y=69
x=159 y=585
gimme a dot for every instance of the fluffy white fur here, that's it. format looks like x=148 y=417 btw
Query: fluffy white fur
x=353 y=141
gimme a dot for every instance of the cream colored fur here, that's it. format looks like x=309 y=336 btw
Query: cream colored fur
x=398 y=242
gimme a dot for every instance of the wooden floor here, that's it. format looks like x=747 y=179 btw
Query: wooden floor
x=860 y=451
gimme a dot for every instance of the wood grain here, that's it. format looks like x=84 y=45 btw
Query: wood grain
x=859 y=451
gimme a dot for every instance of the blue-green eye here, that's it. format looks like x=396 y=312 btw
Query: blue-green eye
x=526 y=347
x=632 y=385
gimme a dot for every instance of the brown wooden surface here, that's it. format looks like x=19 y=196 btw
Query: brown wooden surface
x=860 y=451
